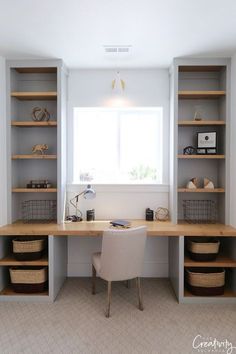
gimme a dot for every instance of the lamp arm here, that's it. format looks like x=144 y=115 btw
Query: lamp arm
x=76 y=198
x=75 y=205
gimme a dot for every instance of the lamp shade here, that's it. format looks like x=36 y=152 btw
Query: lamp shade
x=89 y=192
x=118 y=85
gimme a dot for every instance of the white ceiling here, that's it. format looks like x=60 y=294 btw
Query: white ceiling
x=76 y=30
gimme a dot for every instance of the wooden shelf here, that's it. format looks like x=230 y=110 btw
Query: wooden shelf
x=200 y=94
x=201 y=156
x=34 y=124
x=35 y=95
x=200 y=122
x=11 y=261
x=227 y=293
x=42 y=70
x=201 y=190
x=199 y=68
x=221 y=261
x=33 y=157
x=9 y=291
x=34 y=190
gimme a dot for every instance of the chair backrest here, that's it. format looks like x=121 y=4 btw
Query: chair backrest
x=123 y=253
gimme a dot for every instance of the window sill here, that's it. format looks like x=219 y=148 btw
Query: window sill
x=121 y=188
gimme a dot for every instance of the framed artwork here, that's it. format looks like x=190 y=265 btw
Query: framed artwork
x=206 y=143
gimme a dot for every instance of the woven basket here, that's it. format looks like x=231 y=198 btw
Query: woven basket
x=22 y=275
x=206 y=281
x=26 y=280
x=203 y=249
x=27 y=249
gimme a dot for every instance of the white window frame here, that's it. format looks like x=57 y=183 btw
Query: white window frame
x=154 y=187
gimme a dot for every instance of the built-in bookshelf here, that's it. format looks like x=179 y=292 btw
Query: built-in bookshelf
x=32 y=84
x=200 y=98
x=203 y=93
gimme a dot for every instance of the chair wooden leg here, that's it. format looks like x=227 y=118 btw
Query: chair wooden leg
x=140 y=301
x=128 y=284
x=108 y=298
x=93 y=280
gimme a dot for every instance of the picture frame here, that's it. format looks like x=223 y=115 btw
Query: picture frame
x=201 y=151
x=207 y=140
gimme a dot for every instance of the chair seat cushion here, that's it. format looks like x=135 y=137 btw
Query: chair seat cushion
x=96 y=260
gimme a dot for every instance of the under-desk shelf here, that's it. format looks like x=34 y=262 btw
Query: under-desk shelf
x=220 y=261
x=11 y=261
x=34 y=157
x=34 y=190
x=201 y=94
x=52 y=95
x=34 y=124
x=10 y=292
x=227 y=293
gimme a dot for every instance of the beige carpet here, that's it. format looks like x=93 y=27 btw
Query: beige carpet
x=75 y=323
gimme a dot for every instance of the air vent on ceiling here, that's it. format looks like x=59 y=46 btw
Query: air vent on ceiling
x=116 y=49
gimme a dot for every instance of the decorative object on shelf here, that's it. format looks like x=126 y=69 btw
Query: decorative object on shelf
x=205 y=281
x=39 y=148
x=189 y=150
x=87 y=193
x=40 y=114
x=192 y=184
x=198 y=113
x=29 y=280
x=208 y=184
x=200 y=211
x=206 y=143
x=42 y=183
x=118 y=84
x=90 y=215
x=28 y=249
x=201 y=151
x=203 y=249
x=162 y=214
x=39 y=211
x=149 y=213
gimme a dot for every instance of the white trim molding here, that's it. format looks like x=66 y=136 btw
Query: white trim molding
x=121 y=188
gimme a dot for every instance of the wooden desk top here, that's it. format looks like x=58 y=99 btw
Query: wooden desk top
x=96 y=228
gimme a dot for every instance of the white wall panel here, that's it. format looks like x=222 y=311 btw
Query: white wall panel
x=92 y=88
x=3 y=166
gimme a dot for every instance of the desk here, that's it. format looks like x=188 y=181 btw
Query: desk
x=96 y=228
x=57 y=253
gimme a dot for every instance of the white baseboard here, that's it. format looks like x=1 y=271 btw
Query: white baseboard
x=151 y=269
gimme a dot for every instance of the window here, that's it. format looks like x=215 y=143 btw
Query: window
x=118 y=145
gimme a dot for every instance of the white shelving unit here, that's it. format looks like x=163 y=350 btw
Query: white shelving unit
x=35 y=83
x=204 y=83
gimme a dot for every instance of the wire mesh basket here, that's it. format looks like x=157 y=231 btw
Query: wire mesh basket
x=200 y=211
x=39 y=210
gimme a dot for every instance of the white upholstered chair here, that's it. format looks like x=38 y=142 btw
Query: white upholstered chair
x=121 y=259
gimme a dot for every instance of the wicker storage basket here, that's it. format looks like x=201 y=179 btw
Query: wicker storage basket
x=26 y=249
x=203 y=249
x=28 y=280
x=206 y=281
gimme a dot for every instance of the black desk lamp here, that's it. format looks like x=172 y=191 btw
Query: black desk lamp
x=88 y=193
